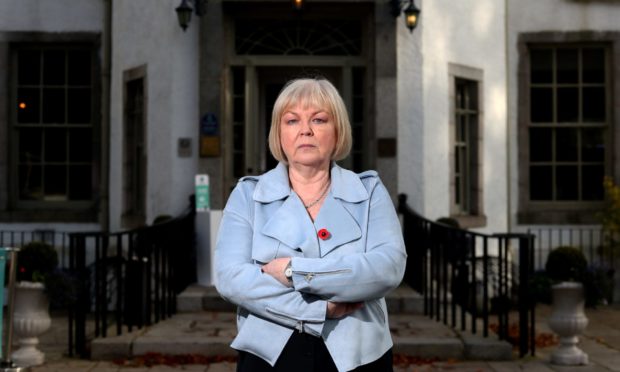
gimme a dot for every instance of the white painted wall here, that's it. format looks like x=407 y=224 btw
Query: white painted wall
x=534 y=16
x=469 y=33
x=410 y=113
x=147 y=33
x=51 y=16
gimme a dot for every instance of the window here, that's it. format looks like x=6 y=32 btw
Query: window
x=134 y=149
x=567 y=123
x=466 y=142
x=565 y=132
x=54 y=144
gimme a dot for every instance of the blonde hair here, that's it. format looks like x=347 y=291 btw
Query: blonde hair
x=317 y=92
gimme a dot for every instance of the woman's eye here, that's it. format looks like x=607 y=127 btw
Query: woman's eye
x=319 y=120
x=291 y=121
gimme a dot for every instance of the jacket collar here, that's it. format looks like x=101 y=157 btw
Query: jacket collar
x=274 y=185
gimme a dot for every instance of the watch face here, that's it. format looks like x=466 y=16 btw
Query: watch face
x=288 y=272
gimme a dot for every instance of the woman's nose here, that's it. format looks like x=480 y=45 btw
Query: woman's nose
x=306 y=129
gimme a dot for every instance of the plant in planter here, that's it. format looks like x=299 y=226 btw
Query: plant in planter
x=566 y=266
x=36 y=271
x=37 y=262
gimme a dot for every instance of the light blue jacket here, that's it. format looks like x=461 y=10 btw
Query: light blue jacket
x=362 y=260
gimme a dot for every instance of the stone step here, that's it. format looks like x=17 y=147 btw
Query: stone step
x=402 y=300
x=205 y=325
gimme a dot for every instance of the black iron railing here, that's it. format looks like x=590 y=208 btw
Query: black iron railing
x=128 y=279
x=593 y=241
x=57 y=239
x=468 y=278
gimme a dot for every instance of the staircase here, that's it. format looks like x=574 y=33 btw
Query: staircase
x=205 y=325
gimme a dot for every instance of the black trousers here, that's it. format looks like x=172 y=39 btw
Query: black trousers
x=305 y=353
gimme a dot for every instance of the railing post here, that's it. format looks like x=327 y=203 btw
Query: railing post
x=526 y=307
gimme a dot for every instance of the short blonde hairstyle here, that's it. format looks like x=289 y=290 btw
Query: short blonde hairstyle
x=317 y=92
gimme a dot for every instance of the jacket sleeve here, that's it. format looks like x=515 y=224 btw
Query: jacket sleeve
x=240 y=280
x=361 y=276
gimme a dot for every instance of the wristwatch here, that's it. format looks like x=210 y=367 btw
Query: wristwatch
x=288 y=272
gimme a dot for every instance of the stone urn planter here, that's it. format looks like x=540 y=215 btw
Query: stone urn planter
x=568 y=321
x=31 y=318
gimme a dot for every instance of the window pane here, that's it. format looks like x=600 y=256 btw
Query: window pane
x=568 y=105
x=472 y=95
x=566 y=144
x=357 y=136
x=238 y=137
x=80 y=145
x=55 y=184
x=594 y=104
x=593 y=145
x=54 y=67
x=55 y=145
x=358 y=162
x=79 y=67
x=30 y=186
x=541 y=144
x=80 y=182
x=53 y=105
x=239 y=165
x=566 y=183
x=358 y=109
x=239 y=109
x=592 y=182
x=541 y=66
x=28 y=105
x=29 y=67
x=79 y=106
x=457 y=190
x=567 y=66
x=593 y=65
x=541 y=100
x=30 y=145
x=238 y=81
x=541 y=182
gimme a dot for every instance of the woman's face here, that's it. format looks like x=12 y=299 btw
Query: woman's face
x=307 y=135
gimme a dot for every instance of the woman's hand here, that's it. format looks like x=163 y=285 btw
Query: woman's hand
x=337 y=310
x=276 y=268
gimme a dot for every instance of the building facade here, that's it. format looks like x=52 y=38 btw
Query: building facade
x=500 y=114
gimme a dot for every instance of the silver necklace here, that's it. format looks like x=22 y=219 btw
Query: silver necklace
x=319 y=198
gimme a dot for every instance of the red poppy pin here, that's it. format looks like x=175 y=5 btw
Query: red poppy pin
x=324 y=234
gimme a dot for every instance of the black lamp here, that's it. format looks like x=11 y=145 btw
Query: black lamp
x=412 y=13
x=184 y=11
x=298 y=5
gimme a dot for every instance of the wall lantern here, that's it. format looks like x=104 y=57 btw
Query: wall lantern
x=412 y=13
x=184 y=11
x=298 y=5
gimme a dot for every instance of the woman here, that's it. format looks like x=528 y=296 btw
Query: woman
x=308 y=250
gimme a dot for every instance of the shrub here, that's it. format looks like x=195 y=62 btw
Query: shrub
x=566 y=264
x=38 y=262
x=35 y=261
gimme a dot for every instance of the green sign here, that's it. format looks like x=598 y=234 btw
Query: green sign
x=202 y=193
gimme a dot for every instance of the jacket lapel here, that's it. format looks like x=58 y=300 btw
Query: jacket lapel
x=342 y=227
x=290 y=225
x=289 y=222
